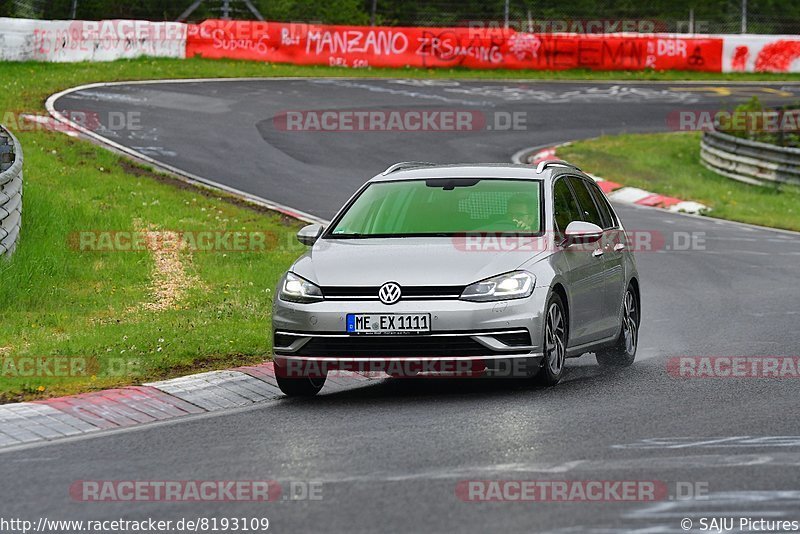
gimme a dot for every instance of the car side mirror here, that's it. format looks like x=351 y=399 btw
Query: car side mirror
x=308 y=235
x=582 y=232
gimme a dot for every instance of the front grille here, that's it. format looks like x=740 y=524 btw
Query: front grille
x=375 y=346
x=408 y=292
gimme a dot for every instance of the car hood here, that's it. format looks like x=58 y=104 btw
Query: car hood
x=413 y=261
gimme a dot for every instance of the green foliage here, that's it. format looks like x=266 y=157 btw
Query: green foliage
x=752 y=115
x=765 y=16
x=330 y=11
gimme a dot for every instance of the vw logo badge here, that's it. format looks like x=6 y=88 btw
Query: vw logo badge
x=389 y=293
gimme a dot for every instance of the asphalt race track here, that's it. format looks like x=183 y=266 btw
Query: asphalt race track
x=390 y=455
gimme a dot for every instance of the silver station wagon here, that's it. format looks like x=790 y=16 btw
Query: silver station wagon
x=504 y=270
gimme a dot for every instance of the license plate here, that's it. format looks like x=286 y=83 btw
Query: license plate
x=388 y=323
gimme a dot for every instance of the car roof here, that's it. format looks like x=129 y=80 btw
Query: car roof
x=420 y=170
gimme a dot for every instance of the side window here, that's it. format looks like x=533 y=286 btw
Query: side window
x=565 y=208
x=609 y=219
x=588 y=208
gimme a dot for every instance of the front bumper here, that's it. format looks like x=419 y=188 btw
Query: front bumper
x=464 y=335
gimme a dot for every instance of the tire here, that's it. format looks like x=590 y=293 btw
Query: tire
x=623 y=352
x=554 y=342
x=300 y=387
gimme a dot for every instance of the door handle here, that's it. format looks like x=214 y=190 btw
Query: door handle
x=618 y=247
x=597 y=253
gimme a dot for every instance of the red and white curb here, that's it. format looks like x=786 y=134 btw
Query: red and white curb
x=620 y=193
x=38 y=421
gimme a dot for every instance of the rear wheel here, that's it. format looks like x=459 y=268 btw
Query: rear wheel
x=300 y=387
x=555 y=342
x=623 y=352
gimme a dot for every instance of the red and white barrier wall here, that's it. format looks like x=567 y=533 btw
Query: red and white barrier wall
x=360 y=46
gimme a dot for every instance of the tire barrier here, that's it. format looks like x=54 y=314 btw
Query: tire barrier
x=10 y=192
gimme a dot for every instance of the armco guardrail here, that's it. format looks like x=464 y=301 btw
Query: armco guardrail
x=750 y=161
x=10 y=192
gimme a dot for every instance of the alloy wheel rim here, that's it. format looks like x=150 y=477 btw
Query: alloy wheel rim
x=629 y=323
x=554 y=339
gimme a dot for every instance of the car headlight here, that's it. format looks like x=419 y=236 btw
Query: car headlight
x=297 y=289
x=514 y=285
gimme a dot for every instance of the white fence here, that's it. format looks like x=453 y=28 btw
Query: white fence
x=79 y=40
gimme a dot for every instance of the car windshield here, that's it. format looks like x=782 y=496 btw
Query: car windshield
x=443 y=207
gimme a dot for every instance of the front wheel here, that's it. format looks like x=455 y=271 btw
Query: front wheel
x=623 y=352
x=555 y=342
x=300 y=387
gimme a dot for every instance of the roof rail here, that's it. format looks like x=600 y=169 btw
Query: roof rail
x=554 y=162
x=404 y=165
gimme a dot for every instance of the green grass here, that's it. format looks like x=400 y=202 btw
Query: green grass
x=669 y=164
x=56 y=301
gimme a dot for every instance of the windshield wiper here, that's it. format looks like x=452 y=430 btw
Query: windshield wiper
x=387 y=236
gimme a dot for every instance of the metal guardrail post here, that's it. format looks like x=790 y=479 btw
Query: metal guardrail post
x=10 y=192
